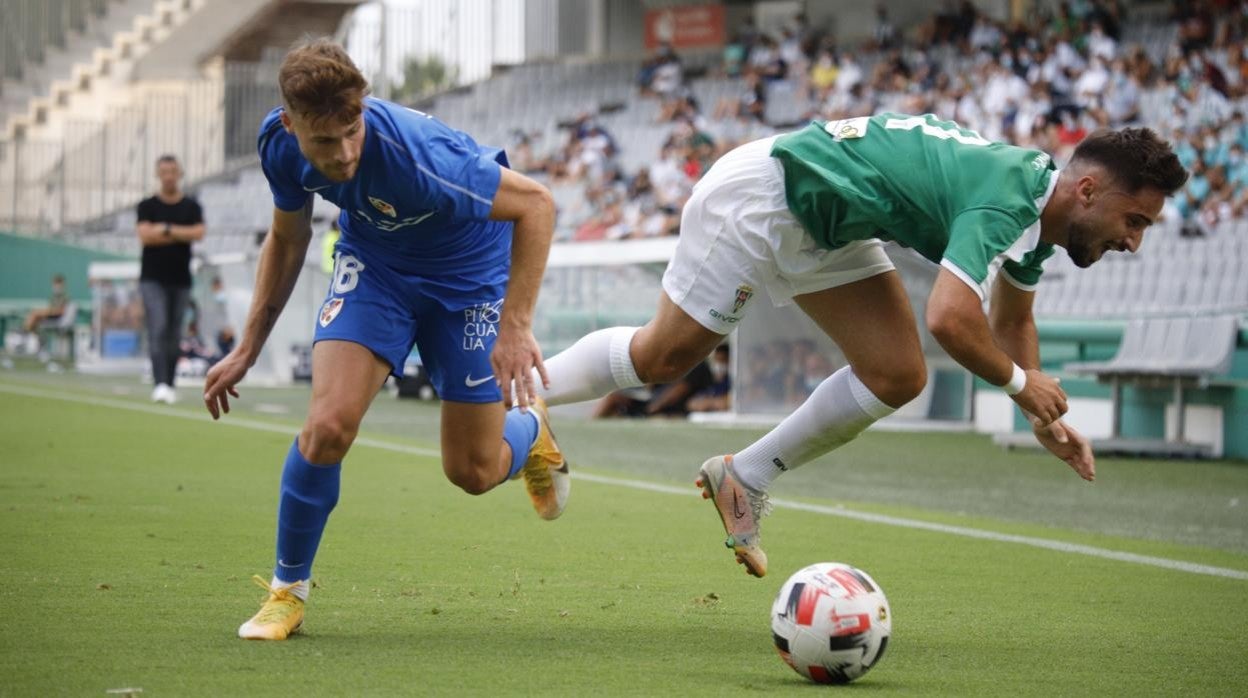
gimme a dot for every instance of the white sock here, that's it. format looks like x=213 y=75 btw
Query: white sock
x=300 y=589
x=836 y=412
x=598 y=364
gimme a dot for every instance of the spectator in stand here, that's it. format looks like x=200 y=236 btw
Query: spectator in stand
x=717 y=397
x=734 y=55
x=1218 y=205
x=750 y=103
x=884 y=35
x=822 y=76
x=521 y=155
x=796 y=62
x=1237 y=166
x=806 y=376
x=665 y=400
x=669 y=74
x=766 y=61
x=671 y=185
x=1101 y=45
x=1189 y=199
x=1120 y=104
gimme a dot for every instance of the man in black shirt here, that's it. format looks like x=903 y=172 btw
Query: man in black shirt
x=167 y=225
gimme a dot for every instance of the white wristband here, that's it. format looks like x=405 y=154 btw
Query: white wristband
x=1018 y=381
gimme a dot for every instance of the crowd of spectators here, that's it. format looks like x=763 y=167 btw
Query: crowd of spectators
x=1043 y=83
x=780 y=374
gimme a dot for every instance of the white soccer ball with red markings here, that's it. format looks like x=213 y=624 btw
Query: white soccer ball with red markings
x=831 y=622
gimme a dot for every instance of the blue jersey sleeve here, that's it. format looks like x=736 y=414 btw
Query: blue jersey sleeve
x=457 y=178
x=276 y=163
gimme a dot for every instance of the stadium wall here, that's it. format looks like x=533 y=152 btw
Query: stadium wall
x=27 y=265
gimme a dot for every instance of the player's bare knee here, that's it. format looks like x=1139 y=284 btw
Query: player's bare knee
x=895 y=387
x=665 y=364
x=326 y=439
x=472 y=478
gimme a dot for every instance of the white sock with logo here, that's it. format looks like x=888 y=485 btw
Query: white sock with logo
x=598 y=364
x=836 y=412
x=300 y=589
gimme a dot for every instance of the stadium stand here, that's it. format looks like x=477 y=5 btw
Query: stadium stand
x=595 y=185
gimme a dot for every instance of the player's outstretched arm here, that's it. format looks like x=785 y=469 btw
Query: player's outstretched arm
x=956 y=319
x=1014 y=328
x=281 y=259
x=531 y=208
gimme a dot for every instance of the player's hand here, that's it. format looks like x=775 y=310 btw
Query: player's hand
x=515 y=355
x=1064 y=442
x=221 y=379
x=1042 y=398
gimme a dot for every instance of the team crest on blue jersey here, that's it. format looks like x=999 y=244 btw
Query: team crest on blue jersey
x=382 y=206
x=330 y=310
x=744 y=293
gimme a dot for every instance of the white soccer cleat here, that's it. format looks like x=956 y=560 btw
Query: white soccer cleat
x=740 y=509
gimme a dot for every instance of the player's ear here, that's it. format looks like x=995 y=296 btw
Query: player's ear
x=286 y=122
x=1085 y=188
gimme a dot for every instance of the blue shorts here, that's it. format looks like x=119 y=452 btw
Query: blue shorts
x=452 y=320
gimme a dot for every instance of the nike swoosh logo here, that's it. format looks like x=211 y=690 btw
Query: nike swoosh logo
x=327 y=186
x=283 y=564
x=468 y=381
x=736 y=506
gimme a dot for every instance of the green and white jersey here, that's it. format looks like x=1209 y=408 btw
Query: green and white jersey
x=961 y=201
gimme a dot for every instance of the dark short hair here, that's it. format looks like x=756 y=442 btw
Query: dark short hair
x=1135 y=157
x=167 y=158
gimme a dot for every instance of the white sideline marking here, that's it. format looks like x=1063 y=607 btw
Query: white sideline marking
x=1045 y=543
x=1060 y=546
x=197 y=416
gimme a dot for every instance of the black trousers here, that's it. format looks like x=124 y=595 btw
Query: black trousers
x=165 y=309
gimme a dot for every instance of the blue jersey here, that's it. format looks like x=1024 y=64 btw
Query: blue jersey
x=420 y=199
x=419 y=261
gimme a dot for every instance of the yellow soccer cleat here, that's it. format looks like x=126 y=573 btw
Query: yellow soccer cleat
x=545 y=473
x=740 y=509
x=281 y=614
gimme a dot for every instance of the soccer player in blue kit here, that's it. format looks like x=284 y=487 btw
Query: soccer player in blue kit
x=442 y=246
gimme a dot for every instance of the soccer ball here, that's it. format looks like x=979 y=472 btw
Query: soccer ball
x=831 y=622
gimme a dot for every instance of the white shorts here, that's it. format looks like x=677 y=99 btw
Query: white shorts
x=737 y=235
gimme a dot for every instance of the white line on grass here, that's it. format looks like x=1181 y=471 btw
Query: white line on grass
x=231 y=420
x=1047 y=544
x=1060 y=546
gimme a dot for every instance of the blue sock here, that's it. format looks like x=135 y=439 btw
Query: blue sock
x=519 y=431
x=309 y=493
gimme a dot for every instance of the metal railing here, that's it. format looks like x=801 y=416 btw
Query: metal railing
x=65 y=185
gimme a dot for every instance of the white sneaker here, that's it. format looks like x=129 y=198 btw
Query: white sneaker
x=158 y=393
x=170 y=396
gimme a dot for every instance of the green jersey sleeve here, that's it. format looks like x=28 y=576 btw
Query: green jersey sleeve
x=981 y=240
x=1026 y=274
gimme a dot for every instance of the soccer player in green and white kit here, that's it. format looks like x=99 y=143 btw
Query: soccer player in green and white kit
x=804 y=215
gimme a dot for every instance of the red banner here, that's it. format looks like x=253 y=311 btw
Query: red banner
x=690 y=26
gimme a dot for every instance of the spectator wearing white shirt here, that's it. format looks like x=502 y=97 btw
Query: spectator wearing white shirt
x=1100 y=44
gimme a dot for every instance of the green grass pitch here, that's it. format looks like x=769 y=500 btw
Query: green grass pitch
x=130 y=534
